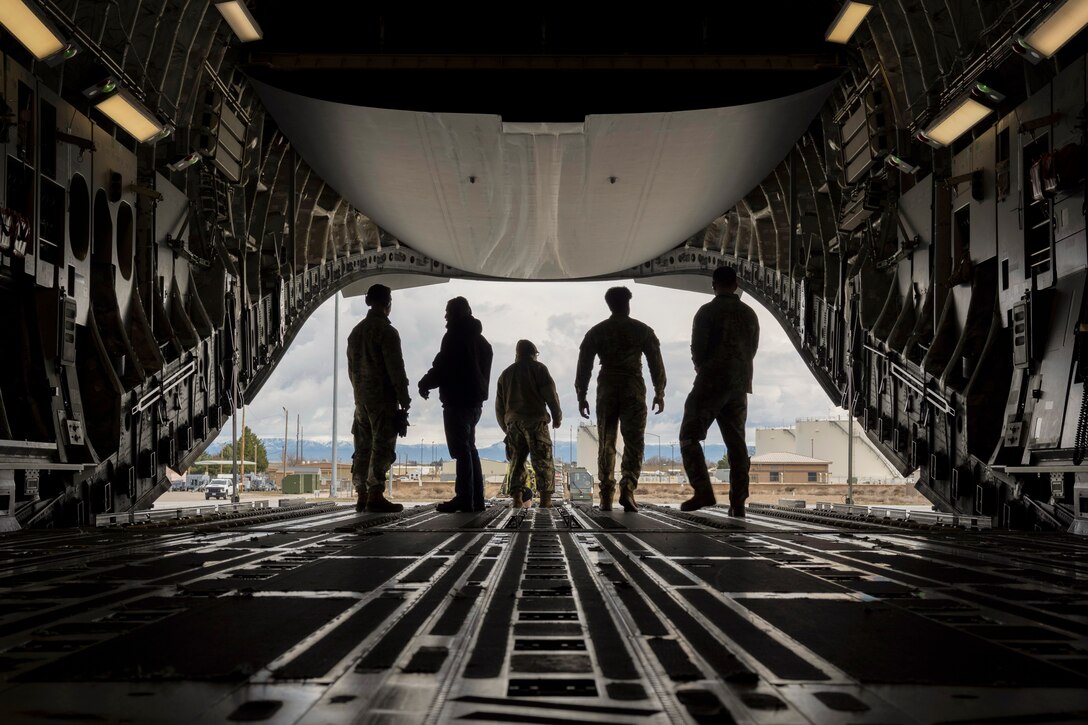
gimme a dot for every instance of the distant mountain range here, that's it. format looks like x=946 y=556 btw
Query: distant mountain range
x=322 y=451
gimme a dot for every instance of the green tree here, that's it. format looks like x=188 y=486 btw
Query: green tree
x=254 y=450
x=724 y=462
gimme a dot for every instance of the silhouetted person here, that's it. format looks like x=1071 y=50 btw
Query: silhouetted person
x=462 y=373
x=724 y=338
x=620 y=342
x=376 y=371
x=525 y=481
x=523 y=397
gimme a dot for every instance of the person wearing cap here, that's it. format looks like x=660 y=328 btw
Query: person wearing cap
x=524 y=396
x=724 y=338
x=376 y=371
x=620 y=342
x=462 y=373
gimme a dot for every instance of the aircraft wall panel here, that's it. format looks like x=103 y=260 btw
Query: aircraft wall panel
x=961 y=296
x=1068 y=98
x=170 y=216
x=1069 y=102
x=1007 y=216
x=52 y=192
x=984 y=210
x=1055 y=367
x=1010 y=225
x=20 y=156
x=1072 y=253
x=77 y=252
x=111 y=157
x=1072 y=411
x=916 y=211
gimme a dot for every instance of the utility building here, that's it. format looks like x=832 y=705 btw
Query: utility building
x=783 y=467
x=589 y=445
x=828 y=439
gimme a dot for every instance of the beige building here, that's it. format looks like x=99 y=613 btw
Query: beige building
x=828 y=439
x=785 y=467
x=493 y=470
x=589 y=444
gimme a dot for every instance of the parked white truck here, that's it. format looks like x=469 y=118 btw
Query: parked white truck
x=219 y=487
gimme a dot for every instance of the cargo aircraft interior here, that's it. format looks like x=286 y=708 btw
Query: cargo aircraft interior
x=901 y=183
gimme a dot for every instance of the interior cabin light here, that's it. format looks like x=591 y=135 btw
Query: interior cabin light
x=1056 y=28
x=240 y=20
x=129 y=114
x=847 y=22
x=30 y=27
x=101 y=88
x=69 y=51
x=186 y=161
x=956 y=120
x=986 y=91
x=898 y=162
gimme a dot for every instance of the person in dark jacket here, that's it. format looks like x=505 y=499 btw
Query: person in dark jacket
x=462 y=373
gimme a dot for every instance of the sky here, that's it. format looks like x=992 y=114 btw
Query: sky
x=555 y=316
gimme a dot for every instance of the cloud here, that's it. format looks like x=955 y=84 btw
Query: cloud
x=554 y=315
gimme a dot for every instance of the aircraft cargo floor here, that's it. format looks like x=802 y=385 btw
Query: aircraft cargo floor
x=323 y=615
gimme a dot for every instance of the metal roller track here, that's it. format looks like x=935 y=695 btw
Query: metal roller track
x=543 y=617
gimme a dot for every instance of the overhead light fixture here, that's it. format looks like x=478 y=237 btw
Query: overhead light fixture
x=128 y=113
x=31 y=28
x=69 y=51
x=956 y=120
x=186 y=161
x=240 y=20
x=987 y=91
x=847 y=22
x=898 y=162
x=1056 y=28
x=102 y=88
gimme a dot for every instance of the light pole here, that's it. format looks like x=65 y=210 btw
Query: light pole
x=335 y=370
x=283 y=473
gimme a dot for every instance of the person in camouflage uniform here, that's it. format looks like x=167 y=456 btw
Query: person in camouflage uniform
x=526 y=480
x=523 y=397
x=620 y=342
x=724 y=338
x=376 y=371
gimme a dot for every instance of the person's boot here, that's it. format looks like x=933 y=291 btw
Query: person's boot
x=627 y=500
x=606 y=500
x=360 y=503
x=546 y=500
x=376 y=503
x=702 y=497
x=736 y=510
x=454 y=505
x=516 y=498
